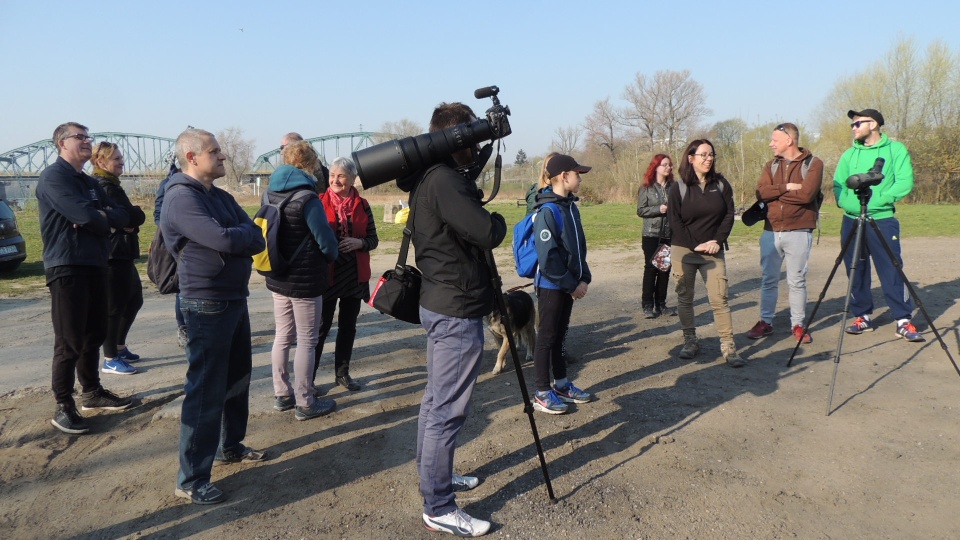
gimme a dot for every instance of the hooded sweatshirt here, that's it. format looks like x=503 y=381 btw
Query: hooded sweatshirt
x=790 y=210
x=897 y=180
x=211 y=237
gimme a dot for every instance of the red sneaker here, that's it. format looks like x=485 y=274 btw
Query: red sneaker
x=759 y=330
x=802 y=336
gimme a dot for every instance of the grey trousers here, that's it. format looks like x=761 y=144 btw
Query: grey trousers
x=454 y=349
x=297 y=321
x=794 y=248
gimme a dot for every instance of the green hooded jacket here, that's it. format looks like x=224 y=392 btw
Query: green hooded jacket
x=897 y=177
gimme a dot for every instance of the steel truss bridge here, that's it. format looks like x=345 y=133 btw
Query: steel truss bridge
x=143 y=155
x=149 y=156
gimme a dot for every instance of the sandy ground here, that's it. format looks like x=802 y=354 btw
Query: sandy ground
x=672 y=448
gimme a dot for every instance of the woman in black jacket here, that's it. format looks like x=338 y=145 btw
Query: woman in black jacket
x=124 y=292
x=652 y=207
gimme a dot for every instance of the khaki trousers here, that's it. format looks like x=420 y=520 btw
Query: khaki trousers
x=713 y=271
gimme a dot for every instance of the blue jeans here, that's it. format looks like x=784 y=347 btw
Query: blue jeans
x=894 y=290
x=454 y=348
x=217 y=390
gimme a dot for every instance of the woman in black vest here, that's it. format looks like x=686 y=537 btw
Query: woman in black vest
x=298 y=294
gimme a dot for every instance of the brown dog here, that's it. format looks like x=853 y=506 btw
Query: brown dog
x=523 y=320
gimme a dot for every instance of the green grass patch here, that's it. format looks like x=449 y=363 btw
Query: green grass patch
x=606 y=225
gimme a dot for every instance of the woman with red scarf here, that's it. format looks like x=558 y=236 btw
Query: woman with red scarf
x=351 y=219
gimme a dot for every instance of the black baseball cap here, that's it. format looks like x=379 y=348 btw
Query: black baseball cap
x=561 y=163
x=869 y=113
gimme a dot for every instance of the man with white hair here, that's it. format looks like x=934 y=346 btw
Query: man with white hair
x=213 y=239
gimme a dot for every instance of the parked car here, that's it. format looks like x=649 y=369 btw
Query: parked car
x=13 y=248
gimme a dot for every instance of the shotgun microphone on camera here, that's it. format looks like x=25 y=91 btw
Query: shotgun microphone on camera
x=486 y=92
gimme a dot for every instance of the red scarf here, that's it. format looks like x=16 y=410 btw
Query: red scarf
x=341 y=211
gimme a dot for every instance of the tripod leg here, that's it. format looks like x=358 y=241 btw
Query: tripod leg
x=858 y=242
x=823 y=293
x=913 y=293
x=527 y=406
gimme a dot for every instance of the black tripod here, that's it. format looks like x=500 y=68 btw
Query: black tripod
x=863 y=193
x=527 y=406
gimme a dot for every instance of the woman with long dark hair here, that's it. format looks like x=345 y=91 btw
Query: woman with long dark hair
x=700 y=209
x=124 y=292
x=652 y=207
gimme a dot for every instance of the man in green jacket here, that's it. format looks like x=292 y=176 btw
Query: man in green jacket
x=868 y=145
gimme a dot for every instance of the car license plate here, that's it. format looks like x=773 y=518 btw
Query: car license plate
x=6 y=250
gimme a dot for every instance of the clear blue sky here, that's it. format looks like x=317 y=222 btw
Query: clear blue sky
x=321 y=67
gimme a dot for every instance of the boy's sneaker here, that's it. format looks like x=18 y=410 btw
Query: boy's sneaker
x=68 y=420
x=203 y=494
x=320 y=407
x=464 y=482
x=548 y=402
x=284 y=403
x=127 y=355
x=104 y=399
x=859 y=326
x=245 y=454
x=759 y=330
x=572 y=394
x=117 y=365
x=801 y=335
x=909 y=332
x=457 y=523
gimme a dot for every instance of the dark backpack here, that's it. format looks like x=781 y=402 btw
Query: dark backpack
x=270 y=262
x=524 y=243
x=161 y=266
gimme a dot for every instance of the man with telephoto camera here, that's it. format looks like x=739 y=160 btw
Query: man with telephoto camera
x=452 y=233
x=868 y=145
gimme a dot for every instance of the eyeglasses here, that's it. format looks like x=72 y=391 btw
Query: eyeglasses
x=858 y=122
x=782 y=128
x=706 y=156
x=80 y=137
x=667 y=165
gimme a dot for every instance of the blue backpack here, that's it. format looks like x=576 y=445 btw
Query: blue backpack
x=524 y=244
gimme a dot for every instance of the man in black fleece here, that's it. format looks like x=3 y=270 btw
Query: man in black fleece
x=76 y=218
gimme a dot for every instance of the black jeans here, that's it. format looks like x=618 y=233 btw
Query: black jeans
x=346 y=333
x=124 y=300
x=78 y=307
x=554 y=307
x=654 y=281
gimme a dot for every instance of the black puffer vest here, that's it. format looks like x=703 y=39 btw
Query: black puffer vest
x=308 y=276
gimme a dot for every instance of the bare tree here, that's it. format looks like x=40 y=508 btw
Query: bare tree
x=603 y=127
x=568 y=139
x=401 y=128
x=666 y=106
x=239 y=152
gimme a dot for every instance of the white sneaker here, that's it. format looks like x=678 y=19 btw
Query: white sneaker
x=457 y=523
x=464 y=482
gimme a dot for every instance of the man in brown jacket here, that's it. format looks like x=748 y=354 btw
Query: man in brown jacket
x=789 y=185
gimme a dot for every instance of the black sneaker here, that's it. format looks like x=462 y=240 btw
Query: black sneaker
x=68 y=420
x=347 y=382
x=106 y=400
x=245 y=454
x=320 y=407
x=204 y=494
x=284 y=403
